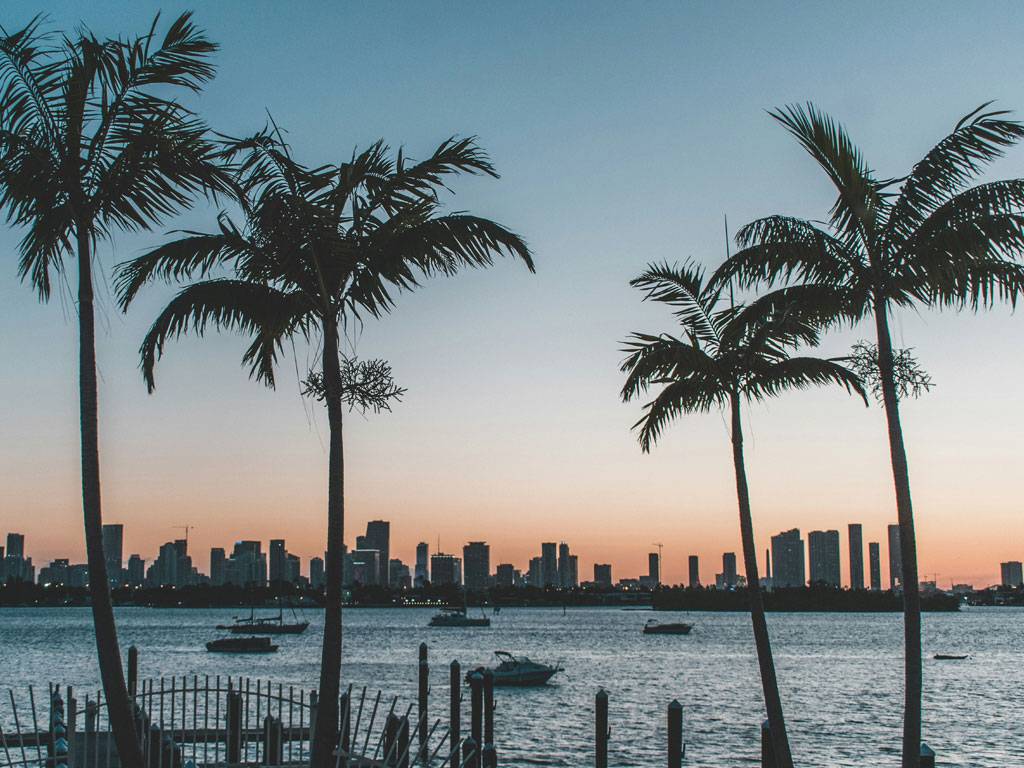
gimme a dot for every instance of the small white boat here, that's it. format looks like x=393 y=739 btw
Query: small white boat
x=456 y=617
x=655 y=627
x=518 y=670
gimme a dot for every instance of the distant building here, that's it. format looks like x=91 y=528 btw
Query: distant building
x=535 y=574
x=317 y=577
x=56 y=573
x=113 y=552
x=422 y=575
x=856 y=542
x=378 y=536
x=293 y=569
x=365 y=566
x=398 y=574
x=278 y=561
x=136 y=571
x=16 y=545
x=603 y=574
x=172 y=567
x=875 y=564
x=14 y=566
x=445 y=569
x=729 y=569
x=574 y=572
x=505 y=575
x=218 y=565
x=1011 y=574
x=78 y=576
x=247 y=565
x=823 y=552
x=476 y=562
x=694 y=580
x=549 y=564
x=788 y=568
x=654 y=568
x=895 y=557
x=563 y=565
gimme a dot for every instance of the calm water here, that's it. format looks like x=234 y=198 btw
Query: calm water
x=840 y=677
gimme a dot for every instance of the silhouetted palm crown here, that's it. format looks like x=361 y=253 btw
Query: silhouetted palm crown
x=928 y=237
x=87 y=142
x=318 y=245
x=724 y=351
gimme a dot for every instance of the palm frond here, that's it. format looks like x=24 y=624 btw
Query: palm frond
x=677 y=398
x=652 y=359
x=770 y=379
x=683 y=287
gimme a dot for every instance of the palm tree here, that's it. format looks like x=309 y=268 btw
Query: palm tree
x=91 y=142
x=928 y=238
x=319 y=248
x=726 y=354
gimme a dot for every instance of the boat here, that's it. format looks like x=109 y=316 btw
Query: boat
x=241 y=645
x=655 y=627
x=266 y=625
x=950 y=657
x=457 y=617
x=518 y=670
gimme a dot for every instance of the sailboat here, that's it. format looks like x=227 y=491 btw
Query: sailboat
x=266 y=625
x=458 y=617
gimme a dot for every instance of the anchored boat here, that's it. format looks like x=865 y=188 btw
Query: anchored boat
x=241 y=645
x=457 y=617
x=266 y=625
x=655 y=627
x=518 y=670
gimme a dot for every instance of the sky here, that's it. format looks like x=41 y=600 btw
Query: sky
x=624 y=134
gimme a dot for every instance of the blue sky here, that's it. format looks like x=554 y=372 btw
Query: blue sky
x=624 y=132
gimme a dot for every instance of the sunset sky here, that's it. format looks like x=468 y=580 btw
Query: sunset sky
x=624 y=132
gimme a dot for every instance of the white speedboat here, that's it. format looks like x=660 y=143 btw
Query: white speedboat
x=518 y=670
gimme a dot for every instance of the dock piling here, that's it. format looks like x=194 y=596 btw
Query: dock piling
x=601 y=729
x=455 y=713
x=233 y=726
x=927 y=756
x=675 y=734
x=476 y=706
x=767 y=750
x=424 y=692
x=133 y=670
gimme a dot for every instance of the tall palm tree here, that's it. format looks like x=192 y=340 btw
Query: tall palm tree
x=92 y=142
x=927 y=238
x=319 y=248
x=726 y=354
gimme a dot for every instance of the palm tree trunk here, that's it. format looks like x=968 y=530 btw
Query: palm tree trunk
x=769 y=683
x=330 y=662
x=908 y=547
x=119 y=706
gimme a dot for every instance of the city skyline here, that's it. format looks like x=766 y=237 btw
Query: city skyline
x=244 y=455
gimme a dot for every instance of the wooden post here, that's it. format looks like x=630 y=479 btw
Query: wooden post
x=133 y=670
x=675 y=734
x=314 y=703
x=233 y=726
x=489 y=756
x=273 y=743
x=90 y=716
x=927 y=756
x=391 y=740
x=455 y=712
x=345 y=719
x=476 y=707
x=402 y=755
x=469 y=752
x=601 y=728
x=424 y=689
x=767 y=750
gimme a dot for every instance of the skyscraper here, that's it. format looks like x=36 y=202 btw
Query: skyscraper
x=574 y=572
x=549 y=563
x=823 y=551
x=563 y=565
x=218 y=564
x=654 y=568
x=788 y=559
x=895 y=557
x=1011 y=574
x=422 y=574
x=875 y=564
x=136 y=571
x=278 y=561
x=113 y=549
x=16 y=545
x=378 y=536
x=505 y=575
x=603 y=574
x=476 y=560
x=729 y=568
x=856 y=534
x=317 y=579
x=444 y=569
x=535 y=575
x=694 y=571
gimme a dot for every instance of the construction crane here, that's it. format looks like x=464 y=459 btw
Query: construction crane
x=660 y=546
x=185 y=528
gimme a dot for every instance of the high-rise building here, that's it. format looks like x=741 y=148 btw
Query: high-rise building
x=317 y=578
x=875 y=565
x=535 y=575
x=172 y=567
x=365 y=566
x=136 y=571
x=113 y=552
x=549 y=564
x=398 y=574
x=654 y=568
x=292 y=568
x=574 y=572
x=895 y=557
x=823 y=552
x=422 y=575
x=603 y=574
x=444 y=569
x=788 y=568
x=14 y=566
x=278 y=561
x=694 y=580
x=856 y=536
x=476 y=562
x=505 y=575
x=378 y=536
x=16 y=545
x=729 y=569
x=1011 y=574
x=247 y=565
x=55 y=573
x=218 y=561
